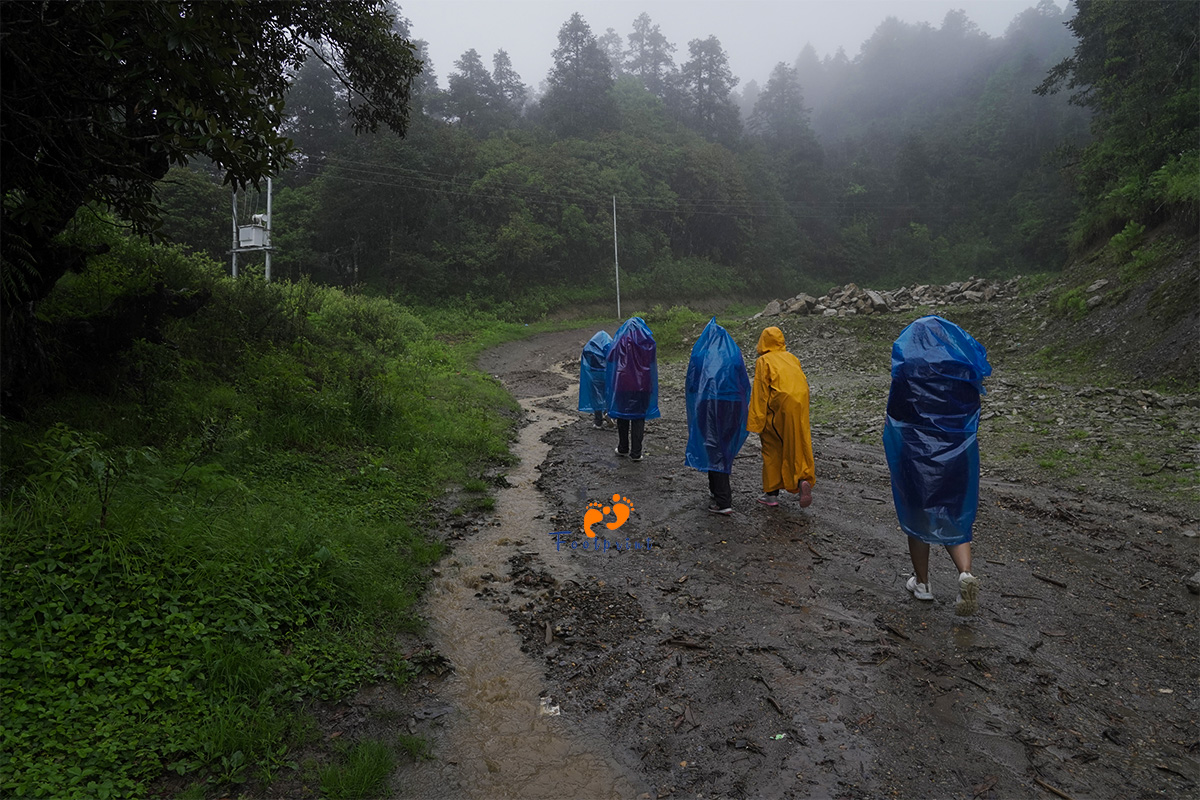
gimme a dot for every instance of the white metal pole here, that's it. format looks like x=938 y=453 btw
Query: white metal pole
x=616 y=262
x=267 y=233
x=235 y=234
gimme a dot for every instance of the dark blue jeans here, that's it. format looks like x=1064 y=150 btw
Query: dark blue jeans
x=629 y=436
x=718 y=487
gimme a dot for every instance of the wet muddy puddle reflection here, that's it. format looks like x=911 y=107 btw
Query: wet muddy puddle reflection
x=505 y=739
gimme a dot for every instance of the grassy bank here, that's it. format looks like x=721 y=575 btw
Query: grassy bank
x=203 y=534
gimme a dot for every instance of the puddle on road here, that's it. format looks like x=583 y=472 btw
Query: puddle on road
x=504 y=741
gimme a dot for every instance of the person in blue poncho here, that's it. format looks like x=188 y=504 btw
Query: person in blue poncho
x=717 y=395
x=631 y=383
x=592 y=370
x=929 y=437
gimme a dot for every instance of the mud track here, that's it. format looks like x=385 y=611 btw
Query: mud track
x=775 y=653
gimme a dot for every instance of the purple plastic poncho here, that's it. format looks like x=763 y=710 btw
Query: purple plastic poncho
x=592 y=369
x=632 y=374
x=929 y=435
x=718 y=397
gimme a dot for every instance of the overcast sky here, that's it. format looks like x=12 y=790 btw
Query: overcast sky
x=756 y=34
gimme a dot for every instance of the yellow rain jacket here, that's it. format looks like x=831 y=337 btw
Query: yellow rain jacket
x=779 y=415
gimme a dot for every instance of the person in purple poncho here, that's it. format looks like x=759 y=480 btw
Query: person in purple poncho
x=631 y=383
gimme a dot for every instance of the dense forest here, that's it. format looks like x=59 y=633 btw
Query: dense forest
x=214 y=492
x=927 y=157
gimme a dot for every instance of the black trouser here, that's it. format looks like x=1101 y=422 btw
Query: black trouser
x=718 y=487
x=629 y=437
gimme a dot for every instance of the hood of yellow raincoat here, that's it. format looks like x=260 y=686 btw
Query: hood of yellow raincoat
x=771 y=339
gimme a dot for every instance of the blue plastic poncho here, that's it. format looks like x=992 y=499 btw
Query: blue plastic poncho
x=592 y=369
x=717 y=397
x=929 y=433
x=632 y=372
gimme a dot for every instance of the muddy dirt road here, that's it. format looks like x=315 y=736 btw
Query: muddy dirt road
x=775 y=653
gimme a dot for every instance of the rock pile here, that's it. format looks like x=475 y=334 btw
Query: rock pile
x=849 y=300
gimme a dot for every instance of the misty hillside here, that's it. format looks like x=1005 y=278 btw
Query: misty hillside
x=217 y=483
x=869 y=170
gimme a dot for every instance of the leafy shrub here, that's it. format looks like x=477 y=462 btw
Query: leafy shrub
x=173 y=591
x=1127 y=240
x=1071 y=303
x=675 y=329
x=683 y=278
x=1175 y=183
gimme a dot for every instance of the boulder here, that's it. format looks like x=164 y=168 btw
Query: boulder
x=877 y=301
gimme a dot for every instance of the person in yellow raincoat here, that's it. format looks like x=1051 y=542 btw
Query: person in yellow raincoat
x=779 y=415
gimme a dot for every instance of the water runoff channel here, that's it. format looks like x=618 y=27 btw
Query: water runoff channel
x=506 y=738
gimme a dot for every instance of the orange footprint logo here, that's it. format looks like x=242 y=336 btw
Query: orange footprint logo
x=592 y=516
x=620 y=508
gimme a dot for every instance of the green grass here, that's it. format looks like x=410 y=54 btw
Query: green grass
x=415 y=747
x=362 y=773
x=224 y=530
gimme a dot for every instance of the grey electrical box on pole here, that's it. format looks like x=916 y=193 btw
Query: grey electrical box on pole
x=254 y=237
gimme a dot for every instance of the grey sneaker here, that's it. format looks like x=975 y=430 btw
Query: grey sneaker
x=716 y=509
x=919 y=590
x=968 y=595
x=617 y=450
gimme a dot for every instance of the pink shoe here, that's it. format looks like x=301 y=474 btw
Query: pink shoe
x=769 y=500
x=805 y=494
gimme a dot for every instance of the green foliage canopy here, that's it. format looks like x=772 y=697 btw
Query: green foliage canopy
x=100 y=98
x=1137 y=65
x=578 y=99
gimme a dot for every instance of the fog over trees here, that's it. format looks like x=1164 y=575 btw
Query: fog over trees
x=936 y=153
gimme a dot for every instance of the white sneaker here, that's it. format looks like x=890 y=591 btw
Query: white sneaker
x=919 y=590
x=968 y=595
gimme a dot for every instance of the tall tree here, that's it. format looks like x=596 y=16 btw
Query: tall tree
x=427 y=96
x=100 y=98
x=473 y=98
x=511 y=90
x=315 y=110
x=779 y=115
x=1137 y=65
x=578 y=100
x=747 y=98
x=195 y=211
x=707 y=83
x=779 y=123
x=614 y=47
x=650 y=56
x=811 y=75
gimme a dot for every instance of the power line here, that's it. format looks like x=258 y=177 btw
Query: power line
x=439 y=183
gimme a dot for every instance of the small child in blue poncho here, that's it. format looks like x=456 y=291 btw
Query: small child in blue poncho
x=592 y=369
x=717 y=394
